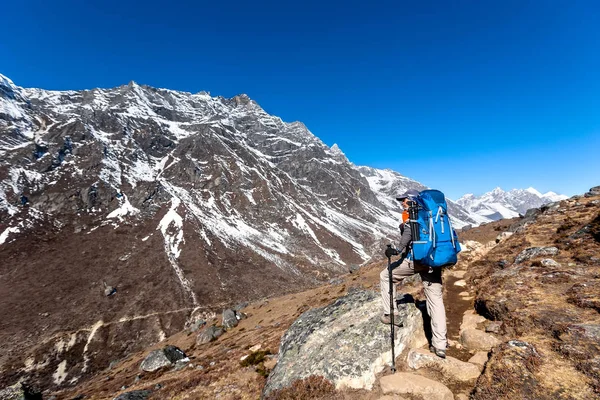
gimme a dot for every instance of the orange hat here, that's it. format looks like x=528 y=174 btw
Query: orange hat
x=404 y=216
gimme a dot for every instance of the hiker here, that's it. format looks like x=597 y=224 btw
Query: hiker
x=431 y=277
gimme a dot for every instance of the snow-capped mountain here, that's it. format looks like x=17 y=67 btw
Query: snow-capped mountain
x=499 y=204
x=183 y=203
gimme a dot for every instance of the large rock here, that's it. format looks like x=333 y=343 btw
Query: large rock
x=474 y=339
x=164 y=357
x=134 y=395
x=230 y=320
x=406 y=383
x=209 y=334
x=450 y=367
x=344 y=342
x=532 y=252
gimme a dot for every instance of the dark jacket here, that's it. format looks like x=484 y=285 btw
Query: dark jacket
x=405 y=240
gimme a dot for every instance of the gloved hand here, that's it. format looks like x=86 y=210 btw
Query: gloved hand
x=390 y=251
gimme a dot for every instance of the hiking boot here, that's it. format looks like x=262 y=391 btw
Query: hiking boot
x=438 y=352
x=385 y=318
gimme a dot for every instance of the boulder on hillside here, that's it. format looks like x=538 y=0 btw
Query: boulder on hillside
x=344 y=342
x=209 y=334
x=160 y=358
x=532 y=252
x=134 y=395
x=230 y=319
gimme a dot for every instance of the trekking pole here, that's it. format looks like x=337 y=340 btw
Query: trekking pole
x=391 y=313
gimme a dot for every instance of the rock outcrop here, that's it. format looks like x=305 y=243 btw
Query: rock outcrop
x=344 y=342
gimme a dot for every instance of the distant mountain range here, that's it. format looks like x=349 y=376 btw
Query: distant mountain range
x=499 y=204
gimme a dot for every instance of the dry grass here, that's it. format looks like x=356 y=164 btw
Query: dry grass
x=313 y=387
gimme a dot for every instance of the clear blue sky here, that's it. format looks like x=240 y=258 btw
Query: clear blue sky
x=463 y=96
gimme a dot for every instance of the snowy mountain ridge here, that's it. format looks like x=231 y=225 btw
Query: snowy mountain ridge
x=498 y=204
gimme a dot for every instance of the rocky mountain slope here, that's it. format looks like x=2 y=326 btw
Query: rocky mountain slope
x=499 y=204
x=129 y=213
x=522 y=323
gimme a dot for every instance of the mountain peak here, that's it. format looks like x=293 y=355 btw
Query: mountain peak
x=242 y=99
x=338 y=153
x=5 y=81
x=533 y=191
x=498 y=204
x=335 y=149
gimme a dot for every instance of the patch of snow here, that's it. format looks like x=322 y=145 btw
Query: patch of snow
x=6 y=232
x=61 y=373
x=125 y=208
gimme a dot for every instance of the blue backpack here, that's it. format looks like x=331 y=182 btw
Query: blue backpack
x=435 y=243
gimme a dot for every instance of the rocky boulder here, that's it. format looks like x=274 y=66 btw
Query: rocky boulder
x=209 y=334
x=134 y=395
x=344 y=342
x=450 y=367
x=164 y=357
x=474 y=339
x=230 y=319
x=532 y=252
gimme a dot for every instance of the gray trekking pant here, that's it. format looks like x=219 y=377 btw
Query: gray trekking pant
x=432 y=284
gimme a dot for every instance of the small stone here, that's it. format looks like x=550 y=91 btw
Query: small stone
x=460 y=283
x=548 y=262
x=109 y=291
x=255 y=348
x=503 y=236
x=270 y=363
x=463 y=294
